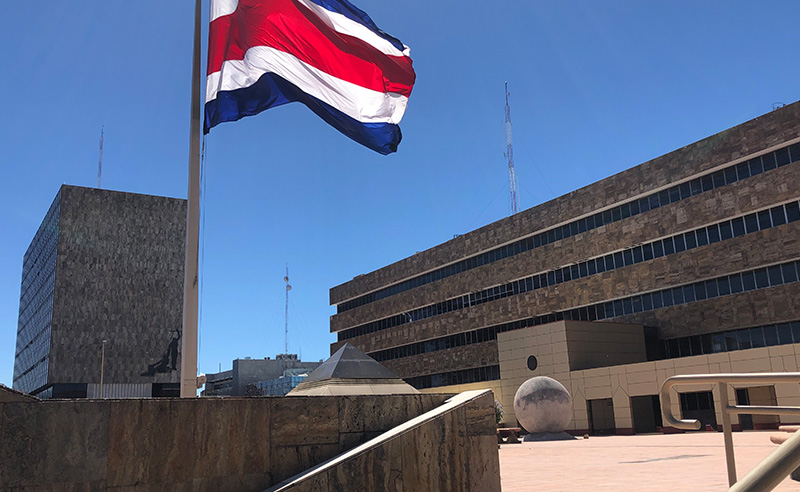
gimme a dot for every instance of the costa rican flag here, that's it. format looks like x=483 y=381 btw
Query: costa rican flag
x=326 y=54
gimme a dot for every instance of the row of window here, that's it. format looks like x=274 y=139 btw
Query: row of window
x=721 y=231
x=760 y=278
x=464 y=376
x=731 y=174
x=732 y=340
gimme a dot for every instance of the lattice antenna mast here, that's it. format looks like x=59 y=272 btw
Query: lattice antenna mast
x=509 y=154
x=100 y=161
x=286 y=316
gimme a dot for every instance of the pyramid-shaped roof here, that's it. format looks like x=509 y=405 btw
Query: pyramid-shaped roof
x=350 y=363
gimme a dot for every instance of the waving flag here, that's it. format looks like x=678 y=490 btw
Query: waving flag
x=326 y=54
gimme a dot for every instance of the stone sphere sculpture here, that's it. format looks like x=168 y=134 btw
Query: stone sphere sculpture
x=543 y=405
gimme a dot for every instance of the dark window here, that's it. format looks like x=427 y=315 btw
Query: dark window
x=677 y=295
x=680 y=244
x=625 y=210
x=702 y=237
x=592 y=266
x=755 y=166
x=796 y=324
x=708 y=182
x=784 y=333
x=751 y=223
x=618 y=309
x=616 y=214
x=686 y=190
x=711 y=289
x=794 y=152
x=713 y=234
x=669 y=246
x=688 y=293
x=756 y=337
x=684 y=347
x=667 y=297
x=627 y=256
x=584 y=271
x=744 y=339
x=638 y=254
x=618 y=262
x=696 y=345
x=696 y=185
x=730 y=175
x=762 y=279
x=718 y=340
x=654 y=202
x=719 y=179
x=700 y=291
x=769 y=161
x=764 y=219
x=782 y=156
x=723 y=286
x=627 y=306
x=658 y=249
x=644 y=204
x=647 y=302
x=663 y=197
x=736 y=283
x=647 y=251
x=738 y=228
x=789 y=273
x=691 y=240
x=775 y=277
x=793 y=211
x=674 y=194
x=743 y=170
x=658 y=300
x=748 y=281
x=778 y=216
x=770 y=335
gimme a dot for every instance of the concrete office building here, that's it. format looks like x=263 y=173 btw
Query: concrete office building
x=104 y=265
x=686 y=263
x=250 y=372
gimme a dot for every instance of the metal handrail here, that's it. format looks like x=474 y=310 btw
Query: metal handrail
x=775 y=467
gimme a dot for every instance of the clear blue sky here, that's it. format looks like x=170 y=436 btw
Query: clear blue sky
x=596 y=87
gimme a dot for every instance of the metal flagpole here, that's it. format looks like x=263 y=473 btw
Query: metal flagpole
x=188 y=372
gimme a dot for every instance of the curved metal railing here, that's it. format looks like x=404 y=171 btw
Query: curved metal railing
x=775 y=467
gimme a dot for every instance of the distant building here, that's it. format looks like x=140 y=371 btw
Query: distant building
x=251 y=372
x=685 y=263
x=282 y=385
x=104 y=265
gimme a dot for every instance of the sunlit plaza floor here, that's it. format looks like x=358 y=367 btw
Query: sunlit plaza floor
x=653 y=462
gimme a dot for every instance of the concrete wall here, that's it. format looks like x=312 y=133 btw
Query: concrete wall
x=231 y=444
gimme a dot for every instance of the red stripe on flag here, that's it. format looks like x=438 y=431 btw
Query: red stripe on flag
x=294 y=29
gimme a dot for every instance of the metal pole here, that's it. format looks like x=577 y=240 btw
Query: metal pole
x=102 y=367
x=773 y=470
x=727 y=432
x=188 y=373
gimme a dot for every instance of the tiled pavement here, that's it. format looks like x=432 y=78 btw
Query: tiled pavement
x=677 y=462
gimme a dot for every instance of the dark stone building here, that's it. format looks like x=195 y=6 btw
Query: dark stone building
x=698 y=246
x=103 y=266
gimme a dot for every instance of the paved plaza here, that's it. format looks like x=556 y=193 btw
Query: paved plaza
x=652 y=462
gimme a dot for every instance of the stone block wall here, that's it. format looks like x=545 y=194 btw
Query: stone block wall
x=450 y=449
x=226 y=444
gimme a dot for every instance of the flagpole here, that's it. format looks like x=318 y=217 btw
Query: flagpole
x=188 y=372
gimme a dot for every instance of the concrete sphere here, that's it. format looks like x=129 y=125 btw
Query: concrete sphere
x=542 y=404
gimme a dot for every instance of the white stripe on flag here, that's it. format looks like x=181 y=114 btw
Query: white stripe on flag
x=342 y=24
x=359 y=103
x=222 y=7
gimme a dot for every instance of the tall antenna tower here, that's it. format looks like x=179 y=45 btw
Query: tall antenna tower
x=509 y=154
x=286 y=317
x=100 y=161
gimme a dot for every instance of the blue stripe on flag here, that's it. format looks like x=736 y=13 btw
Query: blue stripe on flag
x=355 y=14
x=271 y=90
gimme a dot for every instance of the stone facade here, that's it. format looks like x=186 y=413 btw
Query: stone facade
x=118 y=277
x=706 y=160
